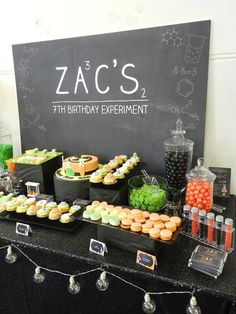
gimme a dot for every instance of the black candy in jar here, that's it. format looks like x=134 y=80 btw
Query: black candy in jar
x=178 y=157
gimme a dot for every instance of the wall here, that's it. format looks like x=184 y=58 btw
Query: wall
x=27 y=21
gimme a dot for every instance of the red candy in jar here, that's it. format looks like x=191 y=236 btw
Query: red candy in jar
x=199 y=191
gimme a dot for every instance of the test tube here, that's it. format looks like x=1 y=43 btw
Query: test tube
x=186 y=216
x=202 y=224
x=210 y=224
x=194 y=218
x=219 y=226
x=228 y=233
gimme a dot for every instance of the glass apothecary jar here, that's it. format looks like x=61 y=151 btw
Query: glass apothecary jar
x=199 y=191
x=178 y=157
x=6 y=148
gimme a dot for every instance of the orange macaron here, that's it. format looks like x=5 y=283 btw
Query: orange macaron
x=154 y=217
x=176 y=220
x=170 y=226
x=165 y=235
x=154 y=233
x=146 y=228
x=136 y=227
x=164 y=218
x=141 y=219
x=126 y=223
x=160 y=225
x=145 y=214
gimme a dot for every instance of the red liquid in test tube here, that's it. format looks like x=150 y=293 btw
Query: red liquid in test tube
x=194 y=218
x=228 y=233
x=210 y=224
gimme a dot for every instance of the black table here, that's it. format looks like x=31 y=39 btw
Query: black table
x=69 y=253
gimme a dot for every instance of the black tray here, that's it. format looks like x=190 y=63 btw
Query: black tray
x=78 y=216
x=44 y=222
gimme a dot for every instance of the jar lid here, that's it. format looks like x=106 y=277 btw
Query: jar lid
x=178 y=138
x=200 y=172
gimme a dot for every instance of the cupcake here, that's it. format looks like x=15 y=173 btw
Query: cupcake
x=124 y=169
x=118 y=175
x=66 y=218
x=41 y=204
x=133 y=161
x=124 y=157
x=119 y=160
x=136 y=157
x=74 y=209
x=21 y=209
x=43 y=213
x=128 y=164
x=30 y=201
x=96 y=177
x=54 y=214
x=113 y=163
x=107 y=167
x=32 y=210
x=51 y=205
x=102 y=171
x=21 y=199
x=63 y=207
x=109 y=179
x=11 y=206
x=2 y=207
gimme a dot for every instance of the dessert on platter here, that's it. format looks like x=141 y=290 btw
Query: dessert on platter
x=23 y=206
x=152 y=225
x=34 y=156
x=115 y=170
x=78 y=167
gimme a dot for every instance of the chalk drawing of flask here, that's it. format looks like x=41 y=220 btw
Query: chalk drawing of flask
x=194 y=48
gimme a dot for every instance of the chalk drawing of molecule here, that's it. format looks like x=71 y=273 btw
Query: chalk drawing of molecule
x=172 y=38
x=185 y=87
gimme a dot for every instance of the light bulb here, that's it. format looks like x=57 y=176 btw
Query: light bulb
x=38 y=275
x=74 y=286
x=193 y=308
x=102 y=283
x=149 y=305
x=11 y=257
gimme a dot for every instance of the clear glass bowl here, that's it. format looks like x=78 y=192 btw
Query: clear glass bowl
x=147 y=196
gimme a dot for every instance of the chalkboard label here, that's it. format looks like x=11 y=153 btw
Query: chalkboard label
x=222 y=181
x=146 y=260
x=114 y=93
x=97 y=247
x=23 y=229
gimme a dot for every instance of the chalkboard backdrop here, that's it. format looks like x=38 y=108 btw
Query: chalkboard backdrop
x=114 y=93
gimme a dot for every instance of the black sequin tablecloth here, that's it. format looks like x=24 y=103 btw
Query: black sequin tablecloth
x=69 y=252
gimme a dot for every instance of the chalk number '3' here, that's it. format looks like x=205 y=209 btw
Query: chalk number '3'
x=87 y=65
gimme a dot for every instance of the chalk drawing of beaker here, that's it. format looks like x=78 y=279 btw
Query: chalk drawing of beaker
x=194 y=48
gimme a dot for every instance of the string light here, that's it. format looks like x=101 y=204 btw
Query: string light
x=74 y=286
x=38 y=275
x=148 y=305
x=193 y=308
x=102 y=283
x=11 y=257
